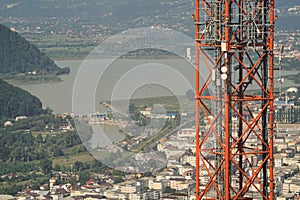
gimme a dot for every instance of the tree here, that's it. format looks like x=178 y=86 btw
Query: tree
x=118 y=179
x=46 y=166
x=78 y=166
x=57 y=168
x=39 y=138
x=83 y=177
x=168 y=189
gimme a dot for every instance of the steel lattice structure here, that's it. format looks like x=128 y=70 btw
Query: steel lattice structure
x=234 y=148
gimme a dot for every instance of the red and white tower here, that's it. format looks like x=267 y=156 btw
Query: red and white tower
x=234 y=147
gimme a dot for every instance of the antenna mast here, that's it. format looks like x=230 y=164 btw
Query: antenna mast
x=234 y=151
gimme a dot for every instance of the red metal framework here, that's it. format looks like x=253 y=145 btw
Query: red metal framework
x=234 y=149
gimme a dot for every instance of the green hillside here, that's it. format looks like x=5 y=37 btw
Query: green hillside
x=19 y=56
x=17 y=102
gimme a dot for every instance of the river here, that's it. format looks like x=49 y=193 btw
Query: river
x=146 y=78
x=97 y=81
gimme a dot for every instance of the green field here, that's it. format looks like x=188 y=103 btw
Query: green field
x=67 y=161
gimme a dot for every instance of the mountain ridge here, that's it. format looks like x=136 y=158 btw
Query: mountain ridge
x=17 y=55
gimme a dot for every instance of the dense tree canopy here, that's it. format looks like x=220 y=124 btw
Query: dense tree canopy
x=15 y=102
x=19 y=56
x=24 y=147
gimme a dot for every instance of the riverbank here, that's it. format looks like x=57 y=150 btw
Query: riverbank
x=19 y=82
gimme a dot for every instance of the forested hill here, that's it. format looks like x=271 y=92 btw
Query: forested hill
x=19 y=56
x=15 y=101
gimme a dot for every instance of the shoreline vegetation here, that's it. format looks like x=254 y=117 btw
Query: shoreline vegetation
x=26 y=79
x=145 y=54
x=34 y=77
x=121 y=57
x=31 y=82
